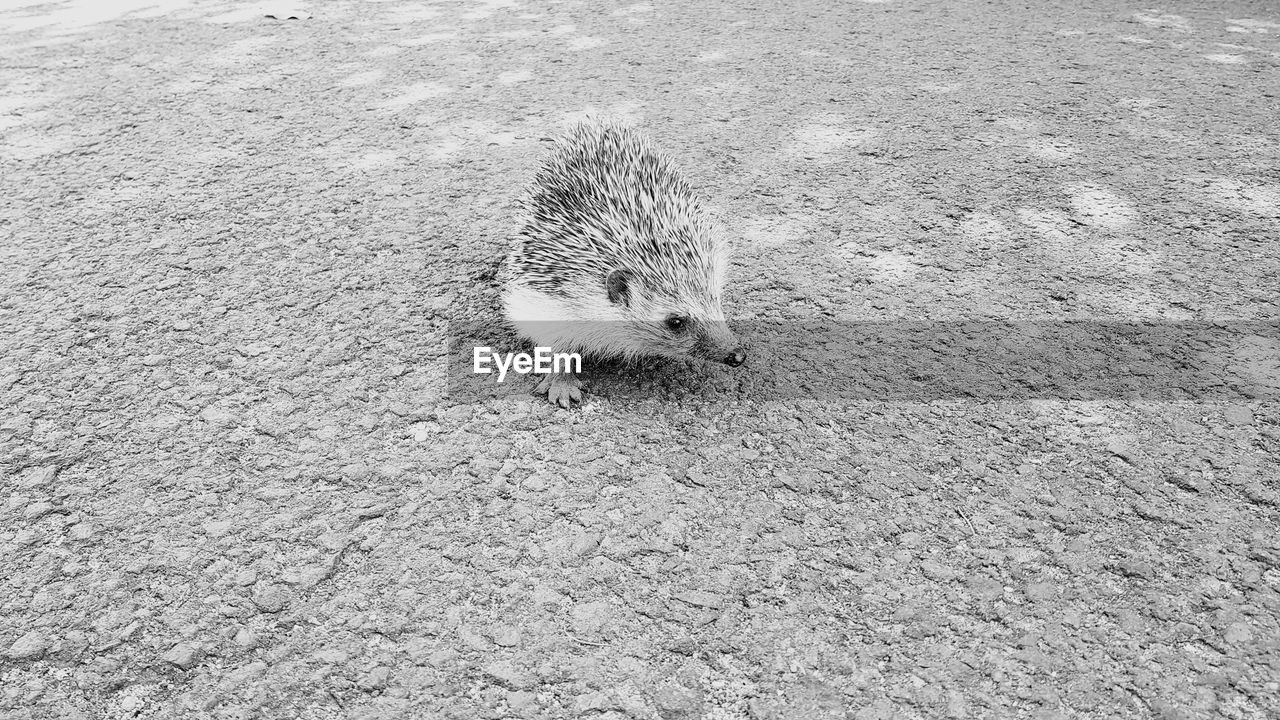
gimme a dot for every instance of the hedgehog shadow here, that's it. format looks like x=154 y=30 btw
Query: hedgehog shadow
x=655 y=378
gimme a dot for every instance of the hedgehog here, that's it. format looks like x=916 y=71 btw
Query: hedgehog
x=616 y=259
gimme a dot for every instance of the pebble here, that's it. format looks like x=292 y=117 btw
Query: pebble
x=695 y=477
x=40 y=476
x=986 y=588
x=937 y=571
x=521 y=699
x=592 y=703
x=1123 y=450
x=247 y=674
x=1238 y=415
x=1134 y=568
x=332 y=656
x=1238 y=633
x=37 y=510
x=81 y=531
x=306 y=576
x=217 y=528
x=217 y=416
x=583 y=546
x=1041 y=591
x=700 y=598
x=442 y=657
x=246 y=638
x=506 y=636
x=376 y=679
x=184 y=655
x=458 y=413
x=28 y=647
x=536 y=482
x=272 y=598
x=506 y=673
x=591 y=617
x=676 y=701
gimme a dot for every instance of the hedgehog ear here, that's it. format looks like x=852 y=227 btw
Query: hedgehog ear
x=618 y=285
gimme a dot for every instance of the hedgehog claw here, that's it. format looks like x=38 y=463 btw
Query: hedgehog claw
x=561 y=388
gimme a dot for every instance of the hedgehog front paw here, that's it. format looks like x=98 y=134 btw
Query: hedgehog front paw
x=561 y=388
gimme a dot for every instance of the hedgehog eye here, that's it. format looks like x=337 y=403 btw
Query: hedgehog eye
x=676 y=323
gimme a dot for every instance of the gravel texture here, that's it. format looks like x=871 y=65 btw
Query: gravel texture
x=233 y=483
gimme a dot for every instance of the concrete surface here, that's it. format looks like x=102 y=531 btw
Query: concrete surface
x=232 y=484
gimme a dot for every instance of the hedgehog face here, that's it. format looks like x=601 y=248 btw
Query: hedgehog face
x=678 y=325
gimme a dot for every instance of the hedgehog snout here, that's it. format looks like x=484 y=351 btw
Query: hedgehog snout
x=720 y=344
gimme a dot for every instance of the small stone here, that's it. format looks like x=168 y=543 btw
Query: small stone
x=246 y=638
x=986 y=588
x=583 y=546
x=1041 y=591
x=1122 y=449
x=181 y=325
x=154 y=360
x=81 y=531
x=246 y=674
x=695 y=477
x=506 y=636
x=74 y=643
x=442 y=657
x=1238 y=415
x=1238 y=633
x=1134 y=568
x=536 y=482
x=272 y=598
x=217 y=416
x=798 y=481
x=1167 y=710
x=375 y=679
x=677 y=701
x=37 y=510
x=332 y=656
x=28 y=647
x=474 y=639
x=592 y=703
x=39 y=476
x=591 y=617
x=506 y=673
x=521 y=700
x=217 y=528
x=184 y=655
x=457 y=413
x=306 y=576
x=420 y=432
x=937 y=571
x=700 y=598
